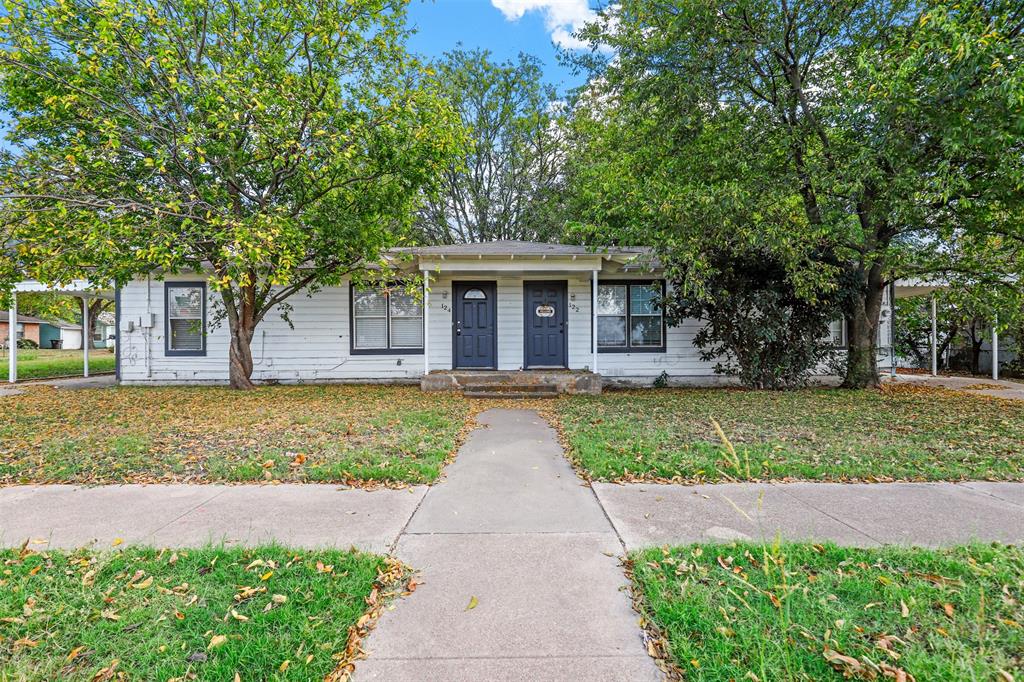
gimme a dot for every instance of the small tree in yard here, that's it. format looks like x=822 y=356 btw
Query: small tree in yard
x=279 y=144
x=757 y=325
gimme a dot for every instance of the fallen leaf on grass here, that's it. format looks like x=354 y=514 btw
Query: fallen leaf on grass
x=73 y=654
x=216 y=641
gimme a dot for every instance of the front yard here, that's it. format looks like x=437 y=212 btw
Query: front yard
x=899 y=433
x=213 y=614
x=818 y=612
x=48 y=363
x=331 y=434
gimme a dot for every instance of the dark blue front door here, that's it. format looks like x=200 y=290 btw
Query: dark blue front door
x=544 y=323
x=475 y=339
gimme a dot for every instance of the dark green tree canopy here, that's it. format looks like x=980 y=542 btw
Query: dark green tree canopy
x=280 y=143
x=858 y=140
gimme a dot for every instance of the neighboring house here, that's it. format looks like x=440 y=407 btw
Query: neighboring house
x=500 y=305
x=27 y=328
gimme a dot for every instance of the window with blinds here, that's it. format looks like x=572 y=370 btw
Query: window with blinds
x=629 y=317
x=386 y=321
x=186 y=318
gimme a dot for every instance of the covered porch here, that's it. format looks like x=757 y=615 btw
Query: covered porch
x=506 y=307
x=84 y=290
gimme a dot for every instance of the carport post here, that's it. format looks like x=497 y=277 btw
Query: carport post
x=935 y=337
x=86 y=337
x=12 y=339
x=995 y=350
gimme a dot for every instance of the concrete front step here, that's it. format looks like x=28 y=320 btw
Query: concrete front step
x=515 y=395
x=528 y=381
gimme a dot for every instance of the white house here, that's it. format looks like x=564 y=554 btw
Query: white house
x=493 y=306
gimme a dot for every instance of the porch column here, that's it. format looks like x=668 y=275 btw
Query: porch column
x=995 y=350
x=593 y=321
x=12 y=339
x=86 y=337
x=935 y=337
x=426 y=322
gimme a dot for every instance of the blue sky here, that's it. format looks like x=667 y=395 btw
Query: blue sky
x=505 y=27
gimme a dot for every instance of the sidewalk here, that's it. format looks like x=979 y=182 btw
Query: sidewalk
x=516 y=534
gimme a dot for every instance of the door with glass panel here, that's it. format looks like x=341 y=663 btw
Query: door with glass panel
x=474 y=325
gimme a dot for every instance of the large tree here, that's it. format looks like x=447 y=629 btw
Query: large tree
x=857 y=139
x=505 y=184
x=277 y=144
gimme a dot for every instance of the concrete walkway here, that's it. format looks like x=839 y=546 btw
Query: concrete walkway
x=1010 y=390
x=514 y=531
x=307 y=515
x=926 y=514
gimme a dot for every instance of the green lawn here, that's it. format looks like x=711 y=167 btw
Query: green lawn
x=811 y=612
x=47 y=363
x=331 y=434
x=902 y=432
x=263 y=613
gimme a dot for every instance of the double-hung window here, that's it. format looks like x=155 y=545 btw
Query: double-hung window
x=629 y=317
x=20 y=329
x=386 y=321
x=186 y=318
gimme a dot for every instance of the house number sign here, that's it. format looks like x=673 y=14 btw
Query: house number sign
x=545 y=311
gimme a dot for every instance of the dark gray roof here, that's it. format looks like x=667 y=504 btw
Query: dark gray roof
x=511 y=247
x=22 y=319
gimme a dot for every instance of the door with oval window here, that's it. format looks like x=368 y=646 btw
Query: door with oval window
x=545 y=324
x=475 y=326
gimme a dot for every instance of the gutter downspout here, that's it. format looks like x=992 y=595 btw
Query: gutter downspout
x=426 y=322
x=593 y=320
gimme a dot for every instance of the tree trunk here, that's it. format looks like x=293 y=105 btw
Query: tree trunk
x=862 y=332
x=241 y=315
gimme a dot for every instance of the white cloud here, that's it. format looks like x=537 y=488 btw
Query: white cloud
x=561 y=17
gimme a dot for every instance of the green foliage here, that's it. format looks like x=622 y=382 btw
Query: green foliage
x=788 y=611
x=282 y=143
x=756 y=325
x=505 y=184
x=857 y=141
x=51 y=307
x=265 y=613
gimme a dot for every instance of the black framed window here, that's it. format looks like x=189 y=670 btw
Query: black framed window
x=386 y=321
x=185 y=313
x=629 y=317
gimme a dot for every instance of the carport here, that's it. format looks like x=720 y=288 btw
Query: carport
x=79 y=288
x=909 y=288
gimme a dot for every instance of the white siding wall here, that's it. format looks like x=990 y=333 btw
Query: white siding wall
x=317 y=349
